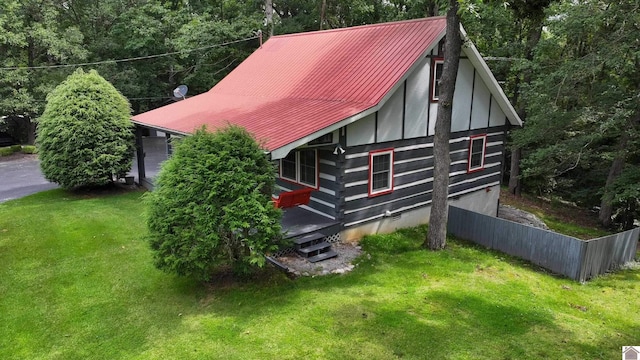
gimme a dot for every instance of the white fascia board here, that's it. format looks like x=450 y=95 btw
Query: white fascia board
x=282 y=152
x=485 y=73
x=169 y=131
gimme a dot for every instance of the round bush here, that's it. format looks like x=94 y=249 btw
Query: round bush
x=211 y=205
x=85 y=136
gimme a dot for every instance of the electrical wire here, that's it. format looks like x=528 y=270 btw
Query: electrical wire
x=127 y=59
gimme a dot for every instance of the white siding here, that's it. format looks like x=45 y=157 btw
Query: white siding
x=462 y=97
x=390 y=117
x=497 y=116
x=417 y=101
x=362 y=131
x=433 y=114
x=481 y=99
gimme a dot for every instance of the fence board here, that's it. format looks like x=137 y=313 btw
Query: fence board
x=608 y=253
x=574 y=258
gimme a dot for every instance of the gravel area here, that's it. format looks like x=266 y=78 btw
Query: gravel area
x=337 y=265
x=516 y=215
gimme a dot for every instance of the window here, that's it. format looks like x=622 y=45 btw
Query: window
x=300 y=167
x=288 y=167
x=380 y=172
x=438 y=65
x=476 y=153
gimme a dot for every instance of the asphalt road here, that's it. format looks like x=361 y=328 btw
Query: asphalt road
x=20 y=176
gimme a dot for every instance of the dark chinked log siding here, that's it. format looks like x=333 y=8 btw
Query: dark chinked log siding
x=413 y=174
x=325 y=200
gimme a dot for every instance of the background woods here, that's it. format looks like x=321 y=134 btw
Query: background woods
x=569 y=67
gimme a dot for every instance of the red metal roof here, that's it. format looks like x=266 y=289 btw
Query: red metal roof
x=298 y=84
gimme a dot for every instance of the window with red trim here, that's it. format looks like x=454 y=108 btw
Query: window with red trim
x=438 y=65
x=477 y=148
x=300 y=167
x=380 y=172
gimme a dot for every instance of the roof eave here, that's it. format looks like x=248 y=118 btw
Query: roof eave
x=163 y=129
x=282 y=151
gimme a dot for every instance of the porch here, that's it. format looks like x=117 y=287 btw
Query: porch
x=298 y=222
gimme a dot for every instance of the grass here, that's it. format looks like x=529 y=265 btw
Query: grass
x=10 y=150
x=76 y=282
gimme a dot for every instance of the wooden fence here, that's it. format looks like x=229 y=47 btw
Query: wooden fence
x=577 y=259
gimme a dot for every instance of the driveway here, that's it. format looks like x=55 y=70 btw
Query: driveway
x=20 y=176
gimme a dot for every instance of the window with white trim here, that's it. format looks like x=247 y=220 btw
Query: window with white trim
x=438 y=65
x=477 y=152
x=300 y=167
x=380 y=172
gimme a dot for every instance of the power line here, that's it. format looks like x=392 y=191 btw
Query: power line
x=127 y=59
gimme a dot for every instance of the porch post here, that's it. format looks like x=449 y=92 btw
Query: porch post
x=169 y=146
x=140 y=155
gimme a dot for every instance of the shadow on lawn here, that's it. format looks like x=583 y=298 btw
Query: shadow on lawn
x=476 y=328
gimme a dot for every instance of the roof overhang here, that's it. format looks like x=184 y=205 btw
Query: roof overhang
x=282 y=151
x=473 y=55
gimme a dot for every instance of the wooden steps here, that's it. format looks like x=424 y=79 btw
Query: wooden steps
x=313 y=247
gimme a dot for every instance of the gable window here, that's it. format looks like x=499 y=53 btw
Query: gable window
x=300 y=167
x=380 y=172
x=438 y=65
x=476 y=153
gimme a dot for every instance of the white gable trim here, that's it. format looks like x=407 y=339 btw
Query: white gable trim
x=474 y=57
x=487 y=76
x=284 y=150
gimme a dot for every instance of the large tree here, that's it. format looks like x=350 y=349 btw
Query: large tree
x=85 y=136
x=211 y=206
x=437 y=233
x=584 y=116
x=32 y=33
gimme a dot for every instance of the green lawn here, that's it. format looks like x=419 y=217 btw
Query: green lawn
x=76 y=282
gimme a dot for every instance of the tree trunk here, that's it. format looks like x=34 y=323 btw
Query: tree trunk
x=432 y=8
x=268 y=12
x=437 y=234
x=323 y=14
x=533 y=37
x=606 y=204
x=514 y=172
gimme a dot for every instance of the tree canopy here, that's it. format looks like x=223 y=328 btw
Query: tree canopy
x=85 y=135
x=569 y=67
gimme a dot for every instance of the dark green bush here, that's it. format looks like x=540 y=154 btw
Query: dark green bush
x=5 y=151
x=29 y=149
x=211 y=206
x=85 y=136
x=16 y=148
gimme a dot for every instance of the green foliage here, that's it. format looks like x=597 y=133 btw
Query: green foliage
x=16 y=148
x=5 y=151
x=29 y=149
x=582 y=108
x=85 y=136
x=211 y=205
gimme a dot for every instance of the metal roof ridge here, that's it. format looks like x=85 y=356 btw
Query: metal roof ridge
x=384 y=24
